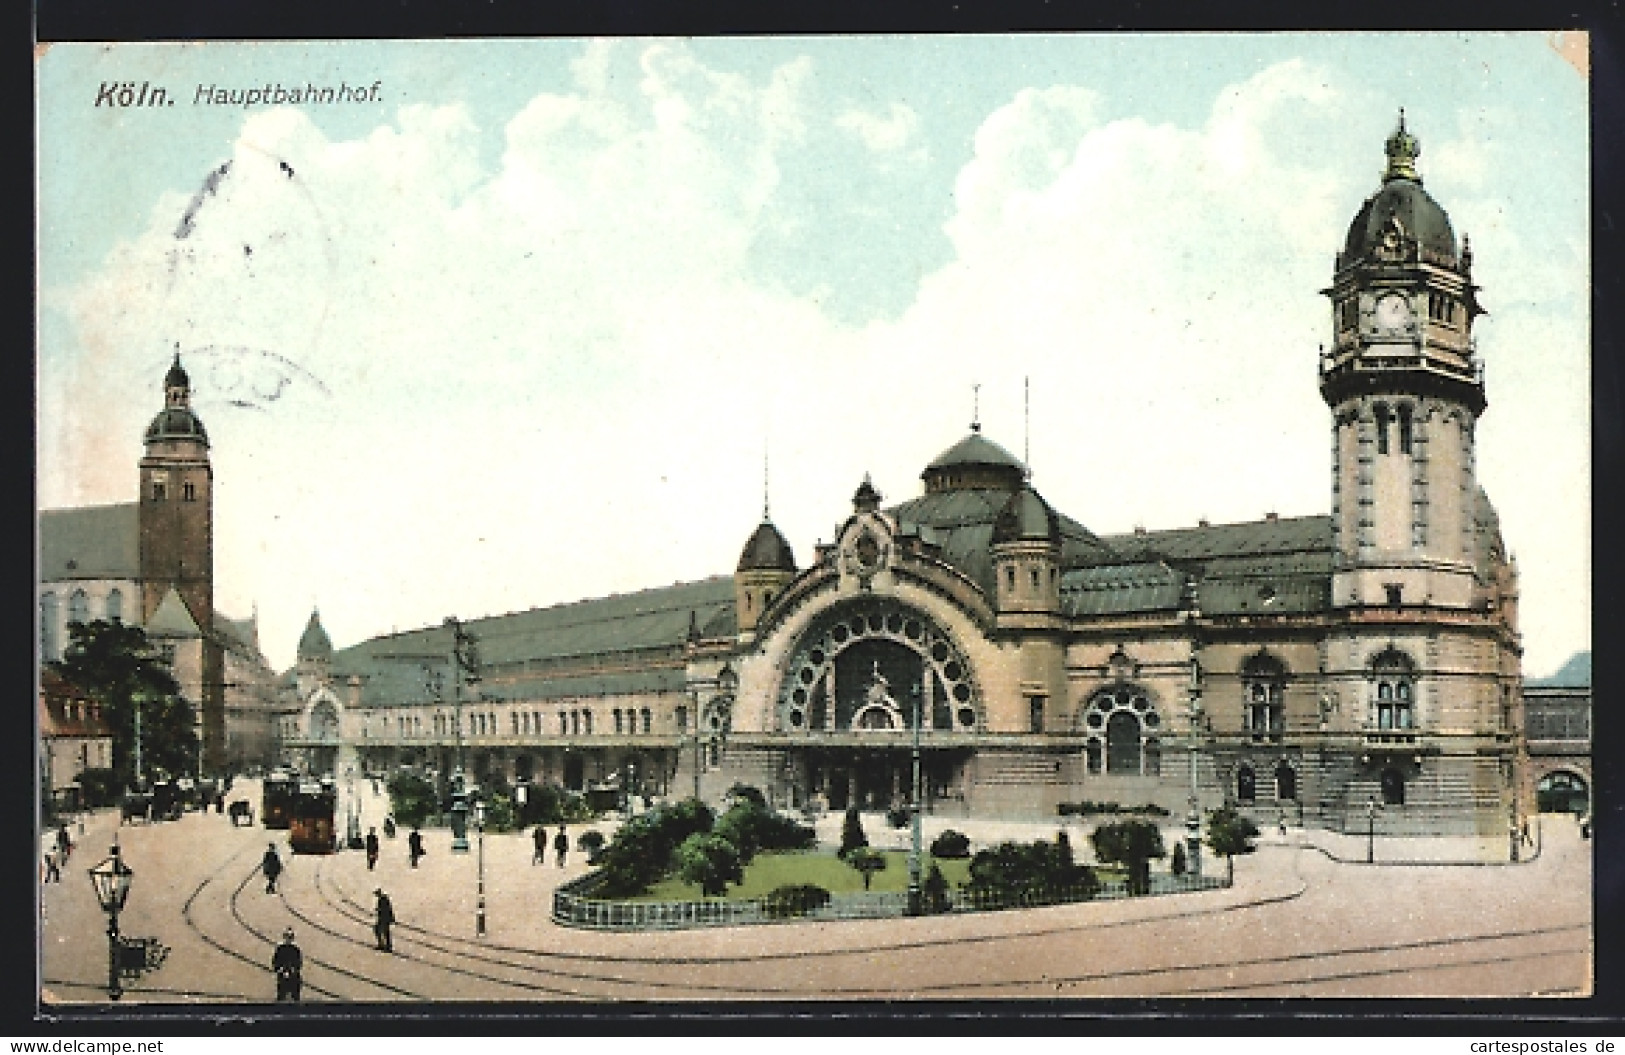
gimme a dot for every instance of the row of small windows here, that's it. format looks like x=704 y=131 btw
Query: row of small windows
x=160 y=491
x=78 y=612
x=1034 y=577
x=1402 y=415
x=1391 y=782
x=531 y=723
x=1441 y=308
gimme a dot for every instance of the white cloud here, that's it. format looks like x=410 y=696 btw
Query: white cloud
x=555 y=379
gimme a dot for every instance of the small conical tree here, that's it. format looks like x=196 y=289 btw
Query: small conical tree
x=852 y=836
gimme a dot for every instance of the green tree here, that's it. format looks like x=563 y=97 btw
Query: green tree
x=867 y=862
x=1039 y=872
x=934 y=890
x=710 y=861
x=1230 y=833
x=852 y=836
x=411 y=798
x=116 y=664
x=1132 y=844
x=643 y=848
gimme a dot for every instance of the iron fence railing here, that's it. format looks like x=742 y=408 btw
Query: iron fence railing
x=575 y=904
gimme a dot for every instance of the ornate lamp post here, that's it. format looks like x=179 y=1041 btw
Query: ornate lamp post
x=112 y=880
x=918 y=809
x=479 y=905
x=1370 y=831
x=459 y=816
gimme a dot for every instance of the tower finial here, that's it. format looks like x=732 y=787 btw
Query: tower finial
x=1402 y=149
x=765 y=516
x=976 y=408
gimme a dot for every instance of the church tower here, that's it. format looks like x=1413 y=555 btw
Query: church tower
x=1405 y=388
x=177 y=506
x=176 y=519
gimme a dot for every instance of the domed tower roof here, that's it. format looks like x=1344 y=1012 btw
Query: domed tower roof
x=1027 y=517
x=767 y=550
x=1401 y=202
x=314 y=642
x=974 y=462
x=177 y=421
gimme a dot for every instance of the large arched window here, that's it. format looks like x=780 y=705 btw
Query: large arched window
x=115 y=605
x=78 y=607
x=874 y=665
x=1122 y=727
x=1264 y=685
x=1393 y=691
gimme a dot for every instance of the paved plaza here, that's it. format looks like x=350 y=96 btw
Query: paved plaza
x=1306 y=917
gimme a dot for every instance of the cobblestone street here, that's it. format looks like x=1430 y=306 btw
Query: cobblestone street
x=1297 y=922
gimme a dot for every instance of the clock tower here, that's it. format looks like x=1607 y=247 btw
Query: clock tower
x=1405 y=388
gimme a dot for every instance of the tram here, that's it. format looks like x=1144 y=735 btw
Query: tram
x=310 y=822
x=281 y=788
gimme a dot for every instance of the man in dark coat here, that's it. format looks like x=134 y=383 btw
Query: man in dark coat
x=372 y=848
x=271 y=864
x=414 y=846
x=561 y=843
x=540 y=856
x=383 y=920
x=287 y=962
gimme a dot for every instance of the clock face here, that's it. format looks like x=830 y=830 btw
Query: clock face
x=1393 y=312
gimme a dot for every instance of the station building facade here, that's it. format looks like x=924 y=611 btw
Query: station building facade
x=1318 y=669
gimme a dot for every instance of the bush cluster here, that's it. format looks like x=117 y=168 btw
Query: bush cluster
x=1087 y=809
x=951 y=844
x=1029 y=873
x=899 y=816
x=1131 y=844
x=688 y=838
x=412 y=799
x=550 y=804
x=797 y=900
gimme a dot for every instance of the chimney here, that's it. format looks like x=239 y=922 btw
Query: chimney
x=1203 y=523
x=1271 y=517
x=1139 y=529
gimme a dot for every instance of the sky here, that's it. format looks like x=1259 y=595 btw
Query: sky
x=525 y=324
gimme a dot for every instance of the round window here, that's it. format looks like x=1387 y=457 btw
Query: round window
x=797 y=718
x=912 y=629
x=939 y=651
x=1141 y=703
x=840 y=633
x=952 y=670
x=962 y=692
x=894 y=622
x=800 y=696
x=1152 y=720
x=967 y=717
x=1095 y=719
x=817 y=657
x=807 y=675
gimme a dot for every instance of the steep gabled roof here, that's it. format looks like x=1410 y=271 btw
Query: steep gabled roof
x=90 y=542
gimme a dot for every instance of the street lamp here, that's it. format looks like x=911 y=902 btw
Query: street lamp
x=112 y=879
x=914 y=834
x=459 y=815
x=479 y=906
x=1370 y=831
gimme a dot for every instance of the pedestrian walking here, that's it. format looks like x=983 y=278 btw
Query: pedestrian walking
x=561 y=843
x=53 y=872
x=372 y=848
x=383 y=919
x=287 y=962
x=64 y=843
x=414 y=846
x=539 y=857
x=1280 y=822
x=271 y=865
x=389 y=826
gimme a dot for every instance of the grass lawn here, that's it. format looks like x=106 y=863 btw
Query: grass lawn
x=820 y=868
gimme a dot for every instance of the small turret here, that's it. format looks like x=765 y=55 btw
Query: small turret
x=766 y=567
x=1026 y=551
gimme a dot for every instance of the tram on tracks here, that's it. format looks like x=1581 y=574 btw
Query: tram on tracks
x=310 y=820
x=276 y=805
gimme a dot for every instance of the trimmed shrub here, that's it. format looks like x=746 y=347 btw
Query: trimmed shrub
x=752 y=827
x=852 y=836
x=898 y=816
x=951 y=845
x=642 y=851
x=1177 y=863
x=99 y=787
x=709 y=860
x=1033 y=873
x=867 y=862
x=796 y=900
x=591 y=842
x=1131 y=844
x=742 y=792
x=412 y=799
x=934 y=891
